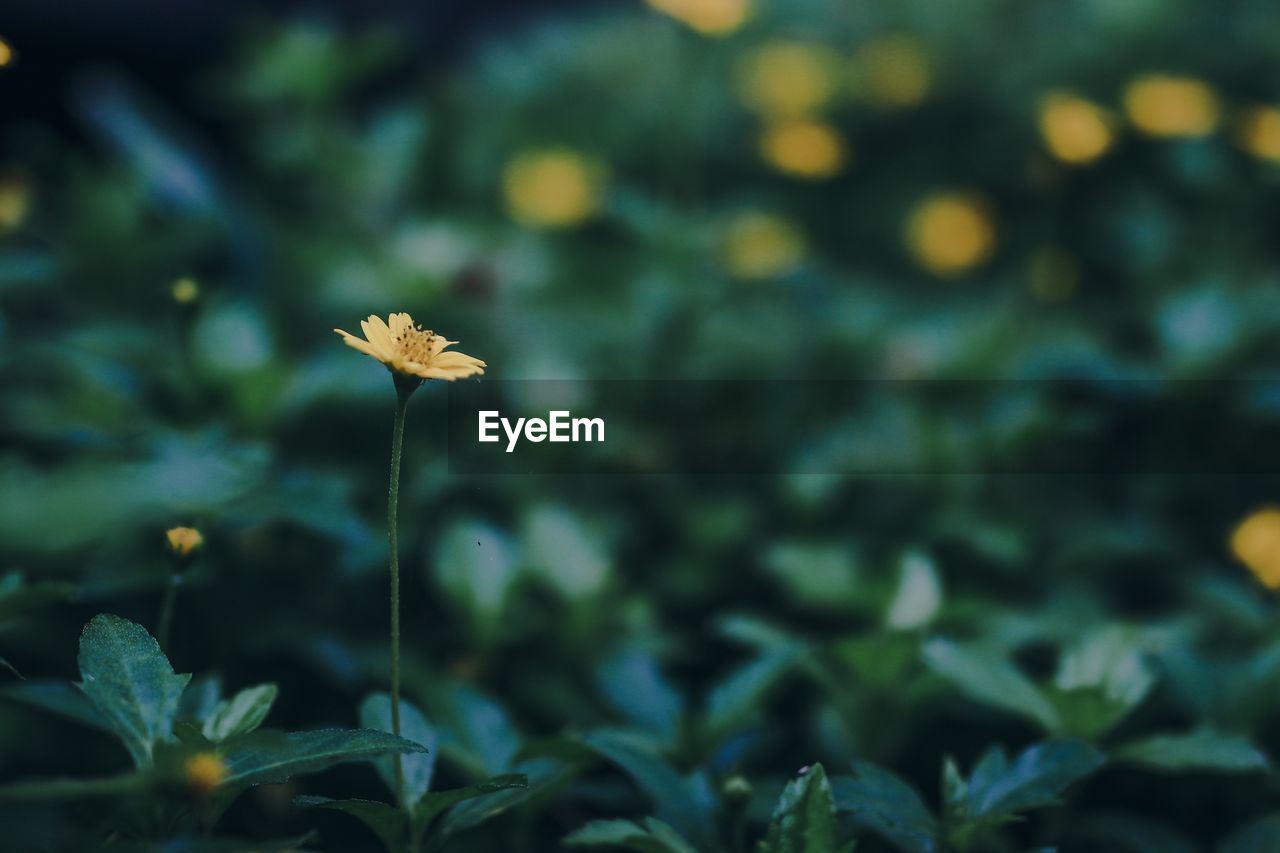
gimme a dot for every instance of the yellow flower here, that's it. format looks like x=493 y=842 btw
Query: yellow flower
x=761 y=245
x=184 y=541
x=788 y=79
x=552 y=188
x=708 y=17
x=1258 y=132
x=203 y=772
x=1167 y=106
x=6 y=53
x=804 y=149
x=15 y=199
x=410 y=350
x=185 y=291
x=1076 y=130
x=891 y=71
x=1256 y=543
x=950 y=233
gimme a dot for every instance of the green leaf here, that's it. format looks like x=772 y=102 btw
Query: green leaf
x=634 y=685
x=804 y=820
x=131 y=683
x=79 y=789
x=741 y=694
x=472 y=728
x=386 y=822
x=432 y=804
x=58 y=697
x=1257 y=836
x=1035 y=779
x=240 y=714
x=1198 y=751
x=200 y=698
x=267 y=757
x=648 y=835
x=544 y=777
x=991 y=680
x=419 y=768
x=881 y=802
x=679 y=801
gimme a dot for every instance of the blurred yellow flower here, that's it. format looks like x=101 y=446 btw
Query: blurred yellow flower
x=891 y=71
x=408 y=349
x=551 y=188
x=804 y=149
x=184 y=541
x=1167 y=106
x=6 y=53
x=1258 y=132
x=1256 y=543
x=203 y=772
x=1054 y=275
x=185 y=291
x=788 y=79
x=708 y=17
x=15 y=199
x=1075 y=130
x=950 y=233
x=761 y=245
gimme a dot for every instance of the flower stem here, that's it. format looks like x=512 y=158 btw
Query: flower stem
x=166 y=610
x=393 y=501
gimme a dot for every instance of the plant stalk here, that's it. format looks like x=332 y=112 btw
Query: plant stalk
x=393 y=501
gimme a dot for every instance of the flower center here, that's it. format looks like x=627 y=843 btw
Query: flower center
x=414 y=344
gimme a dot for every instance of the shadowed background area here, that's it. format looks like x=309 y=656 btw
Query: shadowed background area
x=192 y=199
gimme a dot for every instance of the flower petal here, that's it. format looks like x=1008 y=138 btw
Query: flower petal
x=375 y=329
x=399 y=323
x=360 y=344
x=448 y=360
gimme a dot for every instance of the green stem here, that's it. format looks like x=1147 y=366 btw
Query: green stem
x=166 y=610
x=393 y=501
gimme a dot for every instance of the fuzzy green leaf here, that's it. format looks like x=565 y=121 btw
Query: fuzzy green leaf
x=545 y=776
x=267 y=757
x=419 y=768
x=386 y=822
x=432 y=804
x=130 y=681
x=804 y=820
x=240 y=714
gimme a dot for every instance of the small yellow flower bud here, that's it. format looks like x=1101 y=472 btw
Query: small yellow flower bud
x=6 y=54
x=1166 y=106
x=951 y=233
x=203 y=772
x=1256 y=543
x=185 y=291
x=805 y=149
x=184 y=541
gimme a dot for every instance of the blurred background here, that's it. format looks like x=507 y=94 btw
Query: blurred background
x=192 y=199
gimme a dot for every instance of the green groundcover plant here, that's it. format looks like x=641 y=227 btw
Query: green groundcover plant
x=1077 y=199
